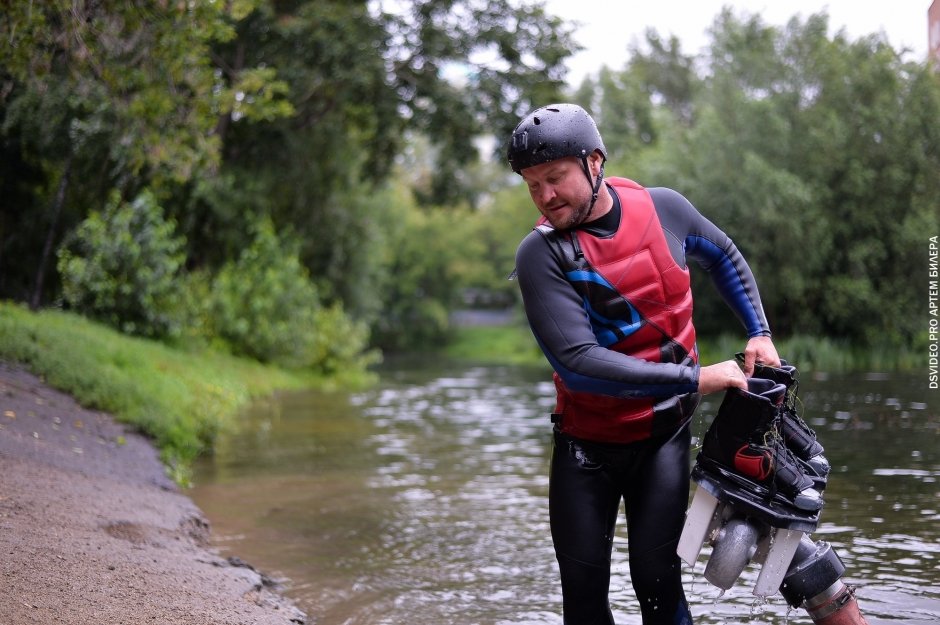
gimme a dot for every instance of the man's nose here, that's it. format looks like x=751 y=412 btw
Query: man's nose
x=546 y=194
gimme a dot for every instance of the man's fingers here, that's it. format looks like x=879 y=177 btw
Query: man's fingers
x=749 y=358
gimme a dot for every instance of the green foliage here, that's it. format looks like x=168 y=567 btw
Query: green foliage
x=340 y=344
x=439 y=260
x=148 y=67
x=425 y=248
x=497 y=230
x=510 y=55
x=122 y=267
x=263 y=303
x=230 y=112
x=265 y=306
x=819 y=156
x=821 y=354
x=513 y=343
x=796 y=143
x=362 y=83
x=181 y=398
x=98 y=96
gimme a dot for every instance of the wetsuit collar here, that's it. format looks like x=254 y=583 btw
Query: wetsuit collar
x=607 y=224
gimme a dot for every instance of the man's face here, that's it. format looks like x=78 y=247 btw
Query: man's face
x=560 y=190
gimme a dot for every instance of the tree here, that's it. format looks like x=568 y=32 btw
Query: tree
x=98 y=96
x=362 y=82
x=820 y=157
x=232 y=113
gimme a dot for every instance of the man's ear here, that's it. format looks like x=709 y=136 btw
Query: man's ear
x=595 y=160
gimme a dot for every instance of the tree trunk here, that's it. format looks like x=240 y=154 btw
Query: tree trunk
x=55 y=211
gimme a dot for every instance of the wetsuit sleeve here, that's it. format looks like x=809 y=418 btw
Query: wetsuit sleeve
x=563 y=331
x=716 y=253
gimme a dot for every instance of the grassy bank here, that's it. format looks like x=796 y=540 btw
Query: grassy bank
x=182 y=397
x=821 y=354
x=513 y=344
x=509 y=344
x=179 y=397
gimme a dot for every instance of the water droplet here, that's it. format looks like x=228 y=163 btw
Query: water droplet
x=757 y=607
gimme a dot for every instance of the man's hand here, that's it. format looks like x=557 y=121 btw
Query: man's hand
x=728 y=374
x=721 y=376
x=760 y=349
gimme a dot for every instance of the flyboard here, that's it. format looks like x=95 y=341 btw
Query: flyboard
x=747 y=522
x=743 y=525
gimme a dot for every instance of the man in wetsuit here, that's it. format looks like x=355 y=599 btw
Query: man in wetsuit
x=605 y=285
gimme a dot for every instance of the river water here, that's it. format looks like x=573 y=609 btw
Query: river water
x=423 y=500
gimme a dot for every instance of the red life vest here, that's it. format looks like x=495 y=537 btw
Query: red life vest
x=640 y=303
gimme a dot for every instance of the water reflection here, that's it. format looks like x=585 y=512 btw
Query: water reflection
x=424 y=500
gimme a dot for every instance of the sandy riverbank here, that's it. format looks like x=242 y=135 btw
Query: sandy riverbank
x=93 y=532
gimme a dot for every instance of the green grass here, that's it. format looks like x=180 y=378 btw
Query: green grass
x=183 y=397
x=179 y=397
x=821 y=354
x=513 y=344
x=509 y=344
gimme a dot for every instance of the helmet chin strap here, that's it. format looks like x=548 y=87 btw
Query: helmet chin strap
x=596 y=185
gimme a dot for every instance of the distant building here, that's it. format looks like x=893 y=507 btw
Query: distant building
x=933 y=31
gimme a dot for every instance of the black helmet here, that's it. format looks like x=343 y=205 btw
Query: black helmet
x=552 y=132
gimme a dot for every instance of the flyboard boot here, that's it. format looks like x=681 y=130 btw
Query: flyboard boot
x=745 y=444
x=757 y=500
x=798 y=436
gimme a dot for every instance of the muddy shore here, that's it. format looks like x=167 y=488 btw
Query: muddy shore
x=92 y=531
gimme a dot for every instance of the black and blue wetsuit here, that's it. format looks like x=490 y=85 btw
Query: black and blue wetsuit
x=590 y=476
x=556 y=311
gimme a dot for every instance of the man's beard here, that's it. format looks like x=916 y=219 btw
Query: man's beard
x=577 y=217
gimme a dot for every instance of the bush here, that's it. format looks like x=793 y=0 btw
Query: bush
x=265 y=306
x=122 y=267
x=197 y=326
x=428 y=250
x=340 y=343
